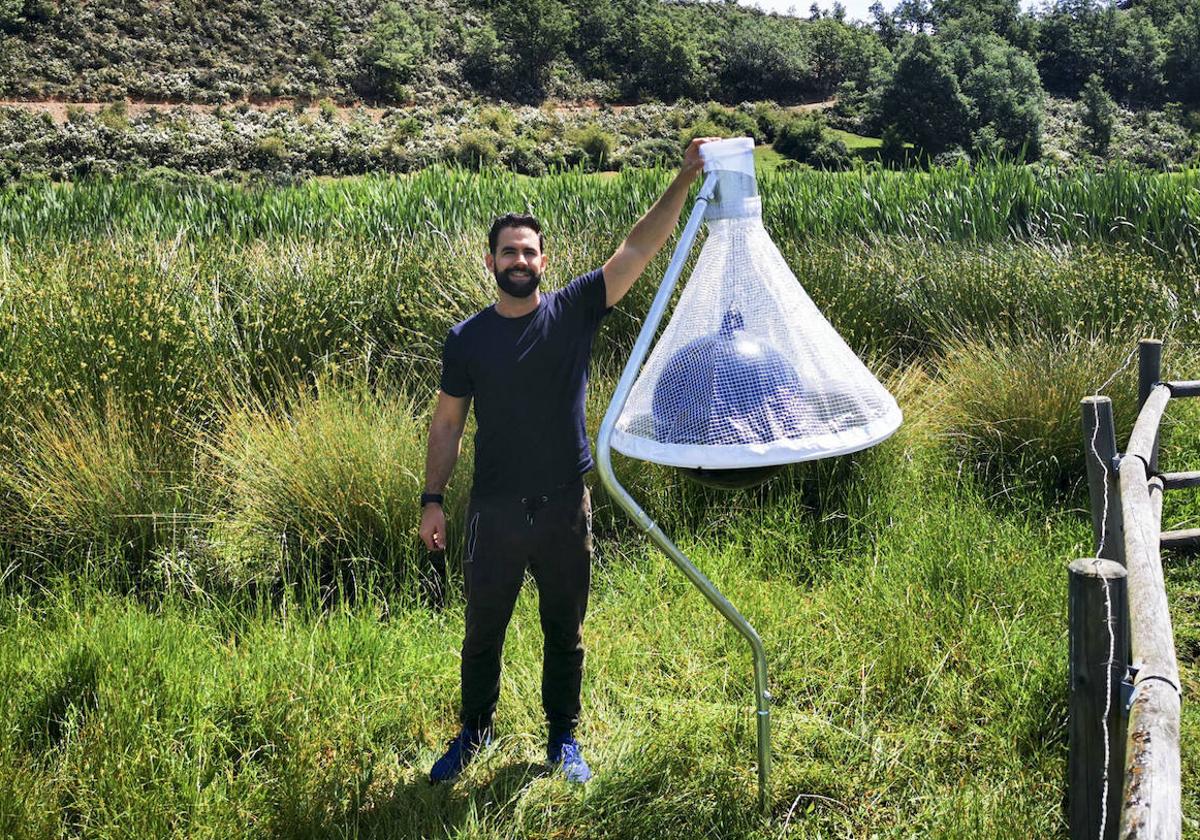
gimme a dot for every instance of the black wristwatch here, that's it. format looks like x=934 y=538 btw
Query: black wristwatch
x=436 y=498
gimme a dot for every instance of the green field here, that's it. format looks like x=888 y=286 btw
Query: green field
x=212 y=413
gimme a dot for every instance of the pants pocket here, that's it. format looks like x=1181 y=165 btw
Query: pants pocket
x=472 y=536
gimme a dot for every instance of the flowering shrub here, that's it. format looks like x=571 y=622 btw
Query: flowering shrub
x=301 y=143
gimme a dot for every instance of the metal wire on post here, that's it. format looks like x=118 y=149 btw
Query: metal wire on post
x=1109 y=546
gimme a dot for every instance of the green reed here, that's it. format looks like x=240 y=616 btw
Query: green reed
x=1155 y=212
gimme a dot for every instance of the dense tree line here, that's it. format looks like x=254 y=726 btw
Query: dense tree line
x=941 y=74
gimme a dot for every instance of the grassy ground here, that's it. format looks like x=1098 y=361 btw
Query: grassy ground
x=914 y=623
x=914 y=633
x=856 y=142
x=213 y=401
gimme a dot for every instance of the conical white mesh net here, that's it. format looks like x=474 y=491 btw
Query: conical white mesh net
x=748 y=372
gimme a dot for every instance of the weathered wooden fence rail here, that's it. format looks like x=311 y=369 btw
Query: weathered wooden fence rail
x=1124 y=775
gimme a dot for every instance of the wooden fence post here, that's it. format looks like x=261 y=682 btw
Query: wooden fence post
x=1099 y=636
x=1098 y=427
x=1149 y=375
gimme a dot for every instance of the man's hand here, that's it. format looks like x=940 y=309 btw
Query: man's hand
x=433 y=527
x=692 y=162
x=445 y=436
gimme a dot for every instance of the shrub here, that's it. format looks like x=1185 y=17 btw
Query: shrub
x=524 y=157
x=115 y=116
x=800 y=137
x=596 y=144
x=652 y=153
x=832 y=156
x=770 y=118
x=330 y=475
x=477 y=149
x=952 y=158
x=734 y=122
x=90 y=477
x=269 y=152
x=892 y=151
x=498 y=119
x=704 y=128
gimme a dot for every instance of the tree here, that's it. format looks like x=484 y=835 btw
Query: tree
x=531 y=34
x=839 y=52
x=1141 y=54
x=999 y=17
x=1005 y=96
x=1069 y=46
x=1098 y=115
x=829 y=43
x=671 y=65
x=1182 y=59
x=398 y=45
x=914 y=15
x=924 y=101
x=760 y=61
x=885 y=25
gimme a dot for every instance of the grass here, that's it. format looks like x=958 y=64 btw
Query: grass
x=857 y=143
x=899 y=672
x=1156 y=213
x=767 y=160
x=255 y=369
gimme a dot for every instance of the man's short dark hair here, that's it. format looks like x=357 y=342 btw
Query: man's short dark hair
x=514 y=220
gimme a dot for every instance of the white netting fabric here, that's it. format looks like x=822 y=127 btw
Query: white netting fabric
x=748 y=372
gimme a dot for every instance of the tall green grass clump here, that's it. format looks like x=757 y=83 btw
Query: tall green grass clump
x=1012 y=406
x=87 y=481
x=917 y=299
x=324 y=484
x=98 y=322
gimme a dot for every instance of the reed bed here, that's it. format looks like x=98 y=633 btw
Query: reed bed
x=1154 y=212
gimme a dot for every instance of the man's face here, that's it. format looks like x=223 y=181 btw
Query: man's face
x=518 y=263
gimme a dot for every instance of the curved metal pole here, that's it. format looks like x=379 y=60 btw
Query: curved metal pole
x=608 y=478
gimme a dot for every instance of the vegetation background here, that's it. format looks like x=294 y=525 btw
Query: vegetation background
x=216 y=372
x=1075 y=81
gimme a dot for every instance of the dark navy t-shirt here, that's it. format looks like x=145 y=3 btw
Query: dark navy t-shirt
x=528 y=377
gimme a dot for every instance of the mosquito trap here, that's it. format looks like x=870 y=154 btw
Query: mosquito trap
x=747 y=376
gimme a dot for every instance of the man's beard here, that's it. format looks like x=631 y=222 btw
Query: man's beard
x=518 y=288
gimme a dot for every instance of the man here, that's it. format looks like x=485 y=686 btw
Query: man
x=524 y=362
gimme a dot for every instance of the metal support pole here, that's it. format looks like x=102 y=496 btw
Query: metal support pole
x=608 y=478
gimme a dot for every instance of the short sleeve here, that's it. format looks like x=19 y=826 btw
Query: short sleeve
x=588 y=292
x=456 y=379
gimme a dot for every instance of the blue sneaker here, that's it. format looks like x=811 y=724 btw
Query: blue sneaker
x=564 y=753
x=462 y=749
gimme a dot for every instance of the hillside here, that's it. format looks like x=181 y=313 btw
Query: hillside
x=391 y=53
x=975 y=81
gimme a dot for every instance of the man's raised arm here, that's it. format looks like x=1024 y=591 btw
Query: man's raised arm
x=445 y=441
x=651 y=231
